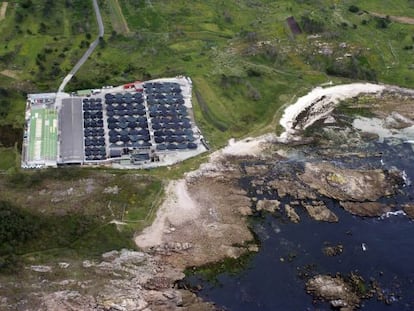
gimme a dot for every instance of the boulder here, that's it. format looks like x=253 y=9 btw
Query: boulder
x=291 y=213
x=335 y=250
x=409 y=210
x=351 y=184
x=335 y=290
x=318 y=211
x=366 y=209
x=268 y=205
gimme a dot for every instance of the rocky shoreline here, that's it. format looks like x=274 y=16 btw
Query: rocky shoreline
x=204 y=217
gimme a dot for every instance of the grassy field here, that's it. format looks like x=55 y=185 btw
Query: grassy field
x=7 y=159
x=117 y=18
x=244 y=61
x=43 y=135
x=71 y=211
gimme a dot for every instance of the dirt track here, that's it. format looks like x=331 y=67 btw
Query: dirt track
x=117 y=18
x=3 y=10
x=397 y=19
x=10 y=73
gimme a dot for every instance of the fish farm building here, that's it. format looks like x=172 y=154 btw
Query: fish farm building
x=136 y=125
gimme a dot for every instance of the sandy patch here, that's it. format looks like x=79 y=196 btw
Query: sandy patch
x=3 y=10
x=177 y=209
x=118 y=19
x=203 y=215
x=246 y=147
x=14 y=74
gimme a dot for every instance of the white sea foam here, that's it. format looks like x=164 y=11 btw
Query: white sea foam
x=396 y=213
x=404 y=176
x=321 y=102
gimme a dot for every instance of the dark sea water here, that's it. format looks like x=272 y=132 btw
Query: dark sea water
x=275 y=277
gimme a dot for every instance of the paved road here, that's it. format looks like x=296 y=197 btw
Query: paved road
x=91 y=48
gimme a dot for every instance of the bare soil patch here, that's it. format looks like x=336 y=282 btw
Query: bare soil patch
x=200 y=222
x=117 y=18
x=9 y=73
x=3 y=10
x=397 y=19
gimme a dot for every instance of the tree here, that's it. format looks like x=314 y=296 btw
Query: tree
x=382 y=23
x=42 y=28
x=102 y=42
x=27 y=4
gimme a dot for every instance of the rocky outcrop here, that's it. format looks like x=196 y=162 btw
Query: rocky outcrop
x=318 y=211
x=291 y=213
x=293 y=188
x=409 y=210
x=268 y=205
x=368 y=209
x=335 y=290
x=123 y=280
x=349 y=184
x=335 y=250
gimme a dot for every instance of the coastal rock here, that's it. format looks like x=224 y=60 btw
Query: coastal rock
x=397 y=121
x=191 y=302
x=255 y=170
x=268 y=205
x=293 y=188
x=63 y=265
x=109 y=256
x=335 y=290
x=291 y=213
x=245 y=210
x=111 y=190
x=41 y=269
x=409 y=210
x=128 y=257
x=168 y=248
x=158 y=283
x=318 y=211
x=232 y=251
x=66 y=301
x=87 y=264
x=366 y=209
x=335 y=250
x=349 y=184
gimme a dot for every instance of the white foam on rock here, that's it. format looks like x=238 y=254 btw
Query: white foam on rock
x=323 y=101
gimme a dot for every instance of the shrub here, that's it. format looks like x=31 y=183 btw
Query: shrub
x=353 y=9
x=382 y=23
x=310 y=25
